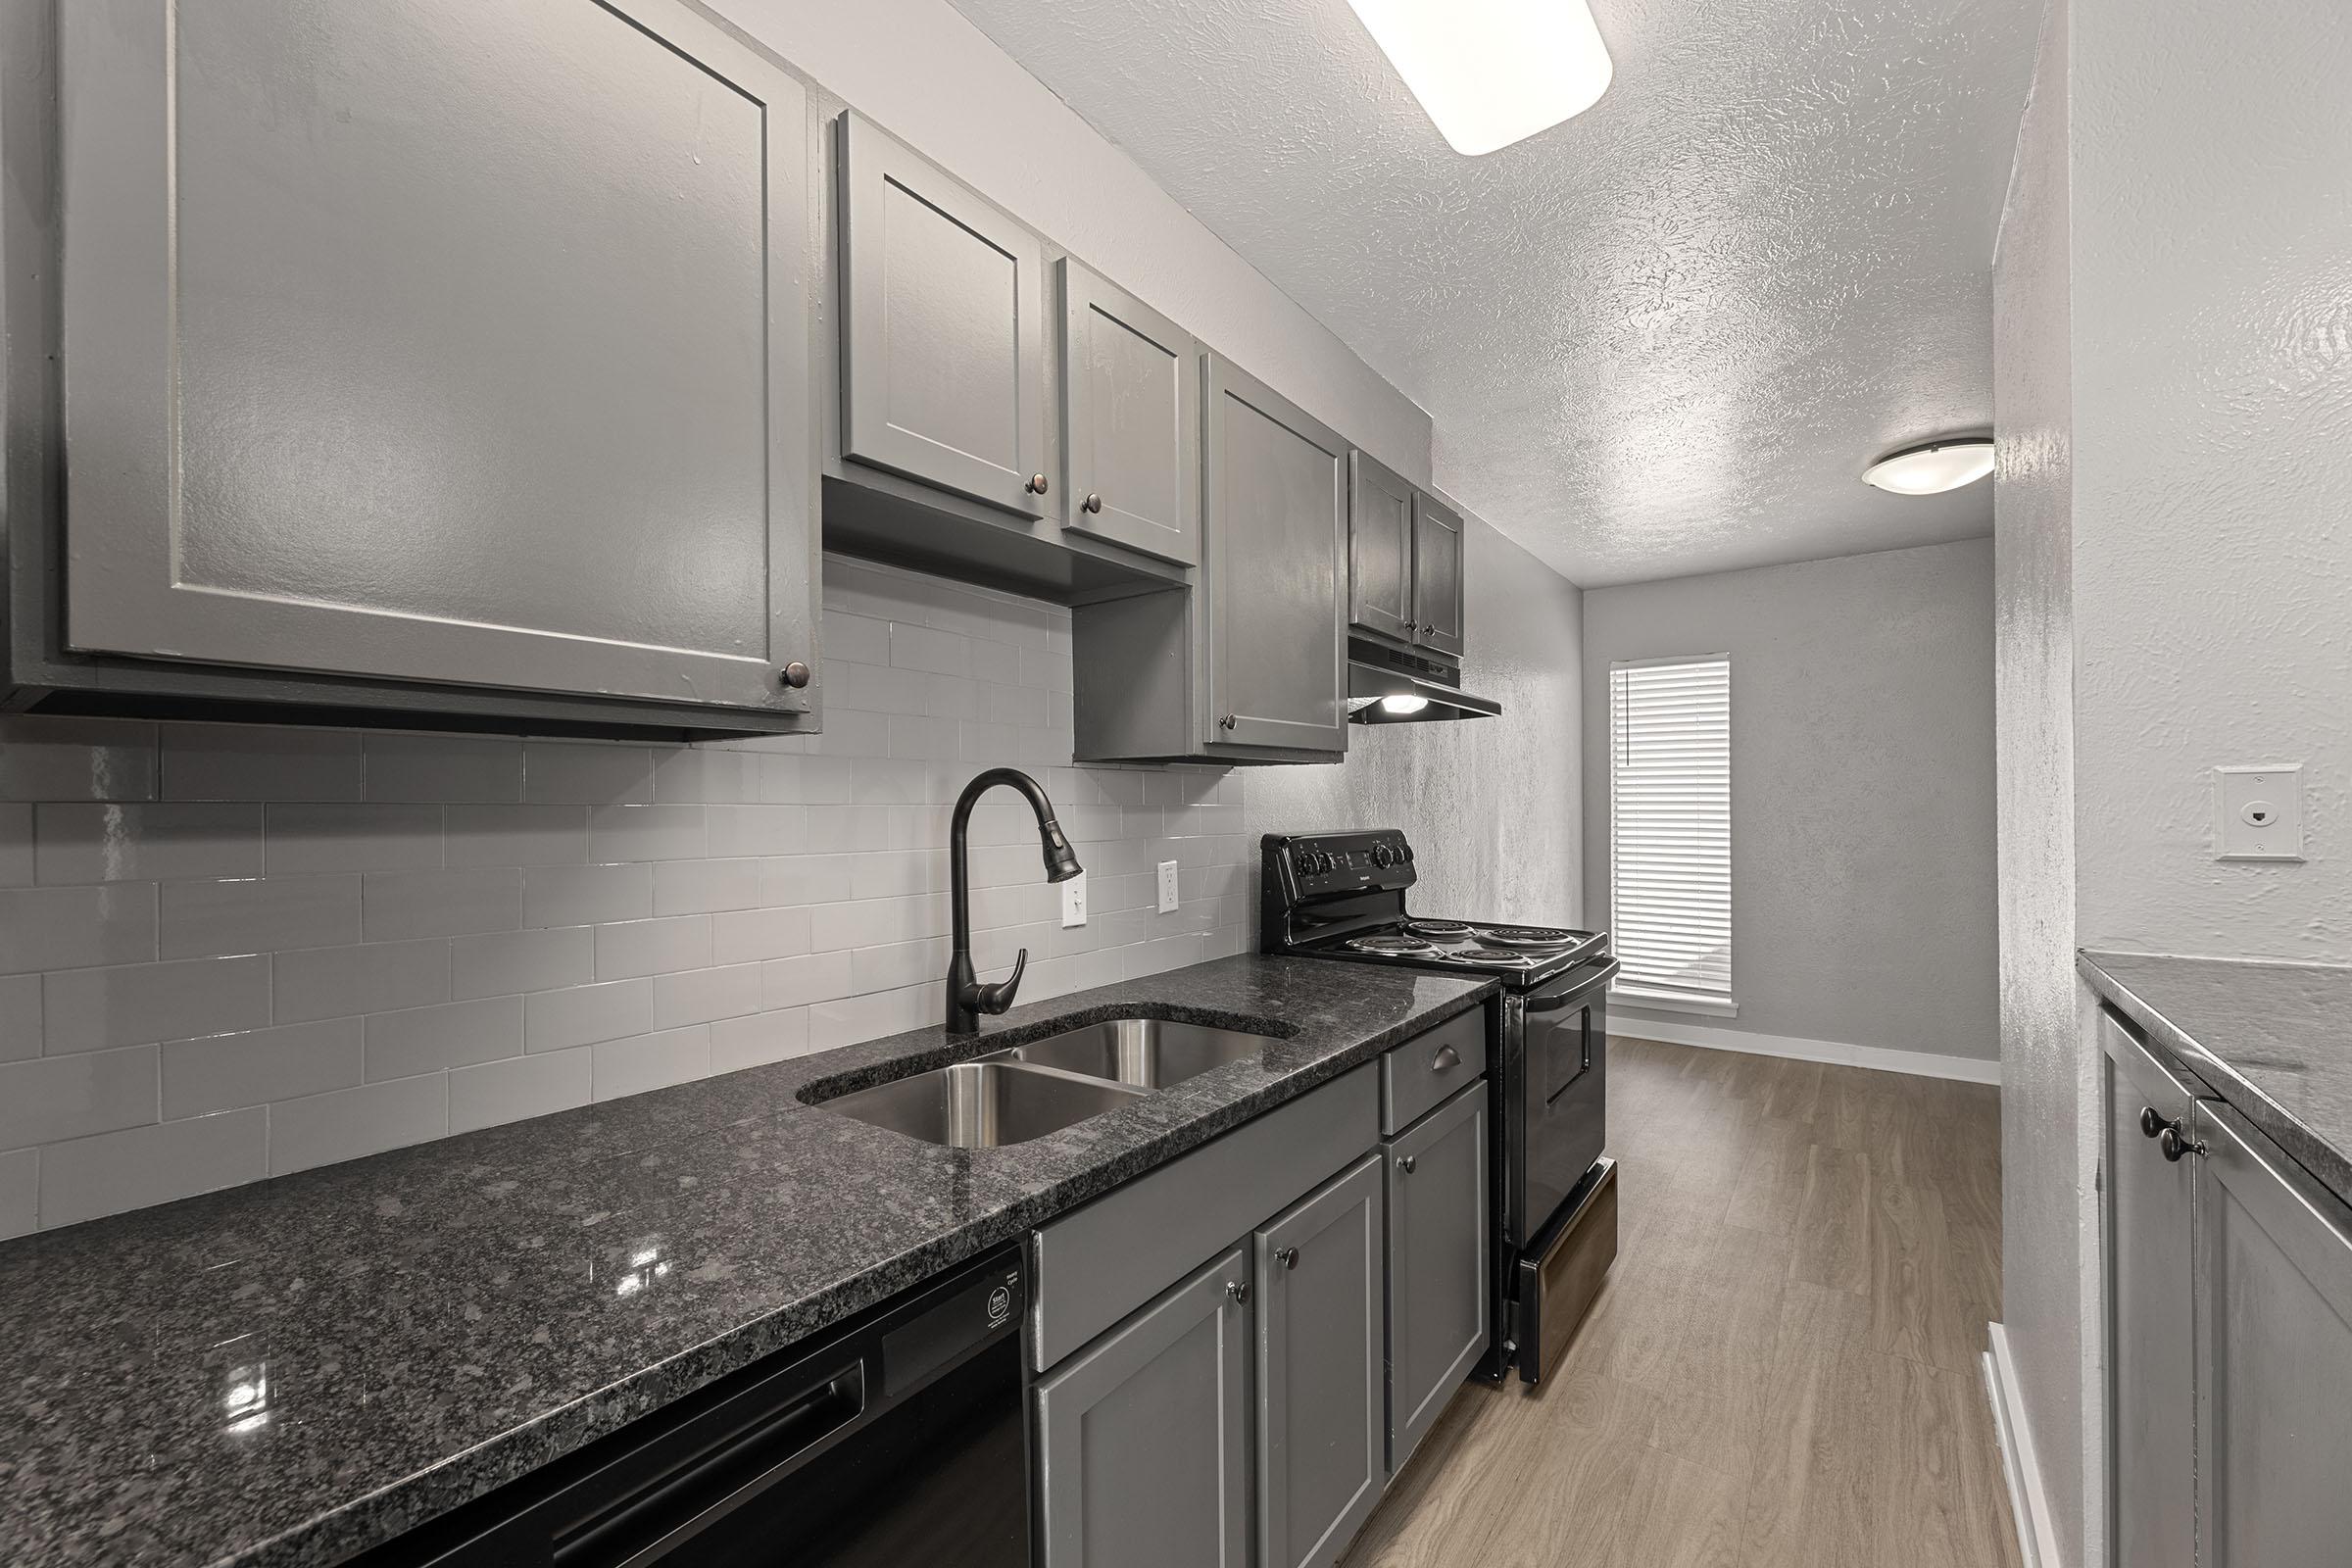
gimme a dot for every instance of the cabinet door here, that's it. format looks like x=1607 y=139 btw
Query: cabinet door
x=438 y=341
x=1436 y=575
x=2274 y=1364
x=1437 y=1265
x=943 y=330
x=1380 y=548
x=1131 y=396
x=2151 y=1358
x=1276 y=502
x=1320 y=1339
x=1144 y=1436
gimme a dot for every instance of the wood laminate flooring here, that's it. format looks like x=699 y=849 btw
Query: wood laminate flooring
x=1782 y=1370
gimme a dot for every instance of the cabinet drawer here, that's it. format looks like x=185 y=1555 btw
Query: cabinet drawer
x=1416 y=1076
x=1098 y=1263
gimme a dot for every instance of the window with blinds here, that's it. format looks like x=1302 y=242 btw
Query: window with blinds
x=1670 y=829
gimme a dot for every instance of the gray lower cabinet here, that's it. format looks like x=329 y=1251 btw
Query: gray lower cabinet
x=1144 y=1437
x=1321 y=1332
x=2273 y=1307
x=943 y=358
x=1438 y=1269
x=430 y=341
x=2150 y=1362
x=1436 y=575
x=1131 y=411
x=1380 y=548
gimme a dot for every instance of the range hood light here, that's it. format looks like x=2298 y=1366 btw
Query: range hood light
x=1932 y=468
x=1489 y=73
x=1403 y=703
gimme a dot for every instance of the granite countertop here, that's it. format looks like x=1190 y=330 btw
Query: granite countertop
x=2273 y=1040
x=290 y=1372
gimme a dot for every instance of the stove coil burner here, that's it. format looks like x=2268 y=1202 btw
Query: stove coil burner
x=1439 y=930
x=1527 y=936
x=1388 y=944
x=1502 y=955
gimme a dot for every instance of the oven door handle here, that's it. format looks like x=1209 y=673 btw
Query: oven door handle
x=1577 y=996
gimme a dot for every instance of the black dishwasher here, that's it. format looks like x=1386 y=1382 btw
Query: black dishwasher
x=897 y=1438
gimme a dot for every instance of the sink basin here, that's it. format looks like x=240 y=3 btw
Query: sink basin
x=1145 y=1053
x=981 y=1104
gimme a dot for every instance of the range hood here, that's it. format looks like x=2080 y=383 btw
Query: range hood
x=1388 y=687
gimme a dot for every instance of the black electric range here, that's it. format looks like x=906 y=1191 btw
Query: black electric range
x=1554 y=1201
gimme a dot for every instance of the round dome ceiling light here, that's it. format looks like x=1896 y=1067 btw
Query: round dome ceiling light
x=1932 y=468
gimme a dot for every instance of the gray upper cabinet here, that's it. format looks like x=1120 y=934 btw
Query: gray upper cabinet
x=1321 y=1333
x=431 y=341
x=1380 y=548
x=943 y=358
x=2272 y=1312
x=1275 y=497
x=1436 y=575
x=1438 y=1265
x=1144 y=1437
x=1131 y=403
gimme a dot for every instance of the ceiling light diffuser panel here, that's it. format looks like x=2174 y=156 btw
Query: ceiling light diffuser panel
x=1932 y=468
x=1490 y=73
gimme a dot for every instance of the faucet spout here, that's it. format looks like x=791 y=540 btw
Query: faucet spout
x=968 y=997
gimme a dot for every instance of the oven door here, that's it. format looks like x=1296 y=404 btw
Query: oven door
x=1565 y=1112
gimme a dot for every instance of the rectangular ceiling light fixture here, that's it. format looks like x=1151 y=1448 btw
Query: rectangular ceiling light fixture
x=1490 y=73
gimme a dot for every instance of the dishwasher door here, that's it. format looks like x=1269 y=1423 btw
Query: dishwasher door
x=899 y=1440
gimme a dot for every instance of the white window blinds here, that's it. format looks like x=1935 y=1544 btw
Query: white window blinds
x=1670 y=827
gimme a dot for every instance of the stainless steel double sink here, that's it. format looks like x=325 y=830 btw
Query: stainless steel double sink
x=1025 y=1092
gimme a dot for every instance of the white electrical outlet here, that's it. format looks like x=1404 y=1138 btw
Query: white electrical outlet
x=1168 y=887
x=1073 y=900
x=2258 y=812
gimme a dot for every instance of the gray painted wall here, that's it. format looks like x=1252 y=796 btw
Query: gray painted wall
x=2048 y=1088
x=1862 y=788
x=1493 y=804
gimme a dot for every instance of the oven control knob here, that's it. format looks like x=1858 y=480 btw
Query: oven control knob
x=1405 y=849
x=1383 y=856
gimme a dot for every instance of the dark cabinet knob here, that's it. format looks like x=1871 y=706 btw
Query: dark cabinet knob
x=1037 y=484
x=794 y=675
x=1408 y=1163
x=2173 y=1146
x=1092 y=503
x=1227 y=722
x=1286 y=1256
x=2151 y=1124
x=1238 y=1291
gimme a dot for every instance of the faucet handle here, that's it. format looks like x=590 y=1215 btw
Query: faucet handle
x=999 y=997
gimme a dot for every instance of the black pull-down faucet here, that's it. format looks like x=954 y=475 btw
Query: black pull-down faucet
x=968 y=997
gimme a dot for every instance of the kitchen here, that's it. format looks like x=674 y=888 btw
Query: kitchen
x=1155 y=882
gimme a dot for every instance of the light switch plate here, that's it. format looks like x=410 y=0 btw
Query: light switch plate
x=1073 y=900
x=1168 y=887
x=2258 y=812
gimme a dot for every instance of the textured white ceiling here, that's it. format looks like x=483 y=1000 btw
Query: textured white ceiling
x=1663 y=338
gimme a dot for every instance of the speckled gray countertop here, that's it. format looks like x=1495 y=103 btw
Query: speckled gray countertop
x=290 y=1372
x=2273 y=1040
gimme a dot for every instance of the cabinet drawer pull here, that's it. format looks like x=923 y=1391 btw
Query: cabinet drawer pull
x=1238 y=1291
x=2173 y=1147
x=1037 y=485
x=2151 y=1124
x=1286 y=1256
x=1445 y=1059
x=1092 y=503
x=1408 y=1163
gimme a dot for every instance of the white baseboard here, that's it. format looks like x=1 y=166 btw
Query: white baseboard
x=1708 y=1037
x=2028 y=1504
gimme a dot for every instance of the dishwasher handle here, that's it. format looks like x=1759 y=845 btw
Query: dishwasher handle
x=674 y=1508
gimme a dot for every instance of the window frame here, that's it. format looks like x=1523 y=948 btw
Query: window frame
x=1647 y=992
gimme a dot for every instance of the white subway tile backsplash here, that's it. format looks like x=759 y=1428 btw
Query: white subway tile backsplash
x=650 y=1061
x=300 y=838
x=107 y=1174
x=358 y=940
x=43 y=759
x=72 y=1096
x=372 y=977
x=347 y=1123
x=586 y=773
x=583 y=1015
x=132 y=1004
x=199 y=920
x=228 y=1072
x=261 y=762
x=501 y=1092
x=452 y=1033
x=64 y=928
x=505 y=962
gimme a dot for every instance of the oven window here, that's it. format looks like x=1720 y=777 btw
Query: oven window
x=1670 y=830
